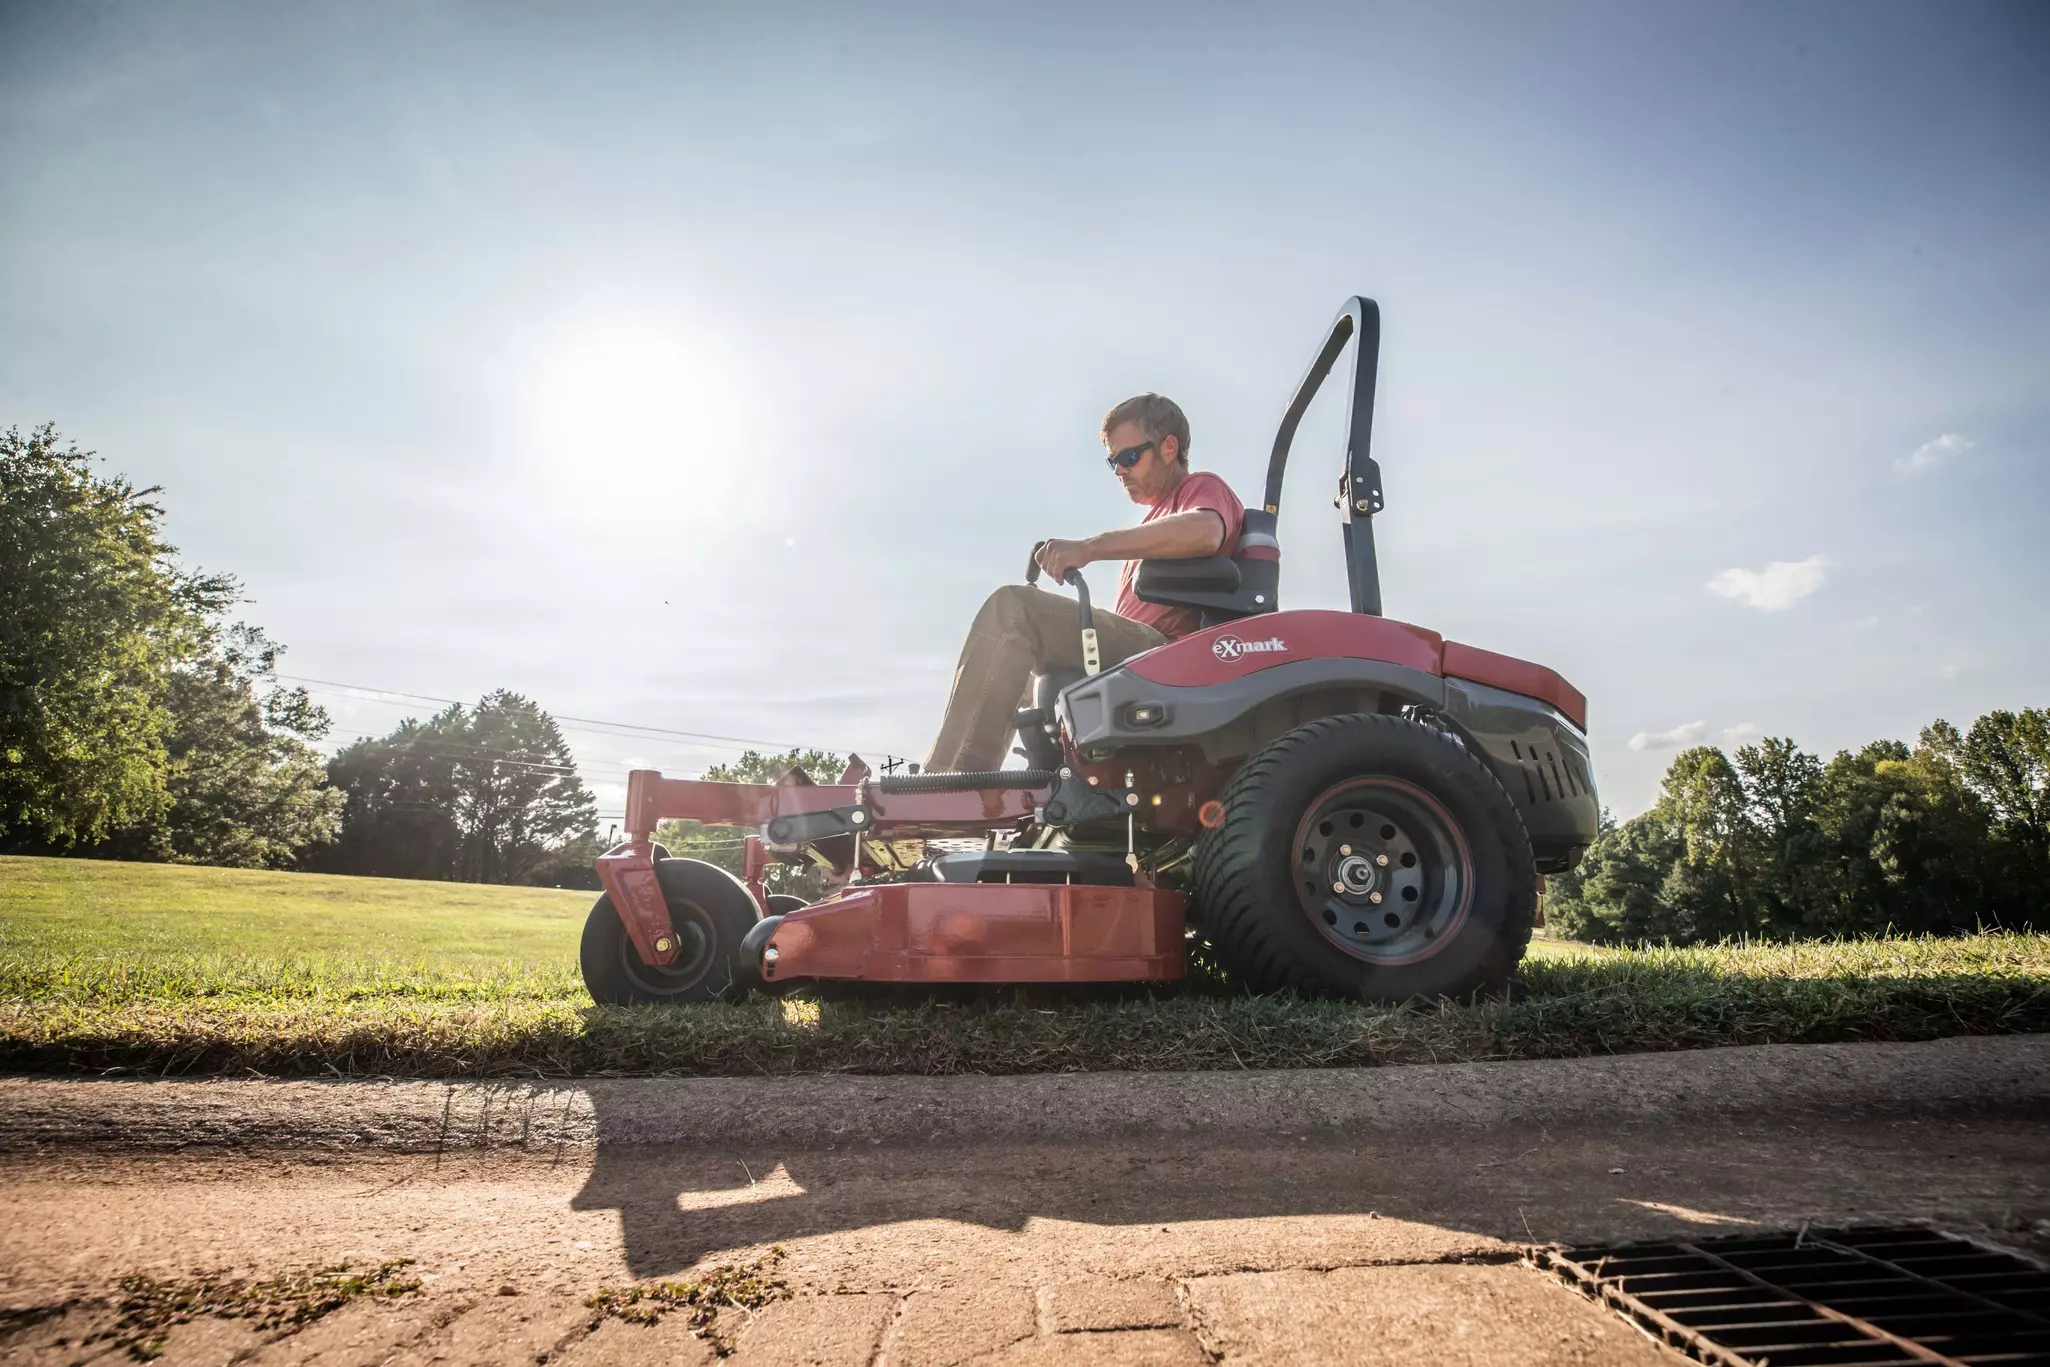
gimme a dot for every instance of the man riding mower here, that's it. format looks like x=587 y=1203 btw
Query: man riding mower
x=1338 y=803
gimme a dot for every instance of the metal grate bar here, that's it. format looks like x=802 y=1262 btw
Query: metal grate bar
x=1861 y=1297
x=1914 y=1350
x=2040 y=1314
x=1664 y=1326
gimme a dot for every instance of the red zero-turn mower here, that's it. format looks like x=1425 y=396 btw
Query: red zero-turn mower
x=1338 y=803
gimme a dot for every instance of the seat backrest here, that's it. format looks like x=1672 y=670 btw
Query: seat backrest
x=1222 y=588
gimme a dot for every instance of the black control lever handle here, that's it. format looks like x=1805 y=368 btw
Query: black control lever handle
x=1074 y=580
x=1092 y=657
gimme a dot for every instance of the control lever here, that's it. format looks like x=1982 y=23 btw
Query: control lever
x=1092 y=656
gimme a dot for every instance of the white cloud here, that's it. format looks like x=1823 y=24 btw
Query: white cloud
x=1743 y=731
x=1686 y=733
x=1931 y=454
x=1775 y=588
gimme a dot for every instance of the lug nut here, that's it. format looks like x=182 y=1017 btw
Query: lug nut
x=1375 y=898
x=1345 y=849
x=1382 y=860
x=1338 y=887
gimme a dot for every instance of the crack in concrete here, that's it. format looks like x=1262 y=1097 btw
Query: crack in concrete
x=1207 y=1341
x=1475 y=1257
x=570 y=1339
x=876 y=1355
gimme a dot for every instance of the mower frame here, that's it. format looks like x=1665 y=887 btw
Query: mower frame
x=1152 y=741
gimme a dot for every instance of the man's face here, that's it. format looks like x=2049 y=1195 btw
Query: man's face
x=1157 y=470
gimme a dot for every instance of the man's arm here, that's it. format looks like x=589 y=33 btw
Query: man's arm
x=1180 y=536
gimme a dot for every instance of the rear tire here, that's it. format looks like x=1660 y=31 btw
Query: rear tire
x=710 y=911
x=1369 y=857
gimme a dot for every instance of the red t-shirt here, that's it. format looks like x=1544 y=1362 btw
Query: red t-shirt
x=1199 y=490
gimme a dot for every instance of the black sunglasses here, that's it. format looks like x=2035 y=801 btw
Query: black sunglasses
x=1127 y=458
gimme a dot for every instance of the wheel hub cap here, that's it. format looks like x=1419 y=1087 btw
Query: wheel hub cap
x=1382 y=870
x=1358 y=875
x=693 y=957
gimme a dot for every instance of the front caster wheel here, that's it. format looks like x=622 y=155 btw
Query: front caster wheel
x=710 y=911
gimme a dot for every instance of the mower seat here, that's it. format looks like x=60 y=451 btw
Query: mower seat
x=1223 y=588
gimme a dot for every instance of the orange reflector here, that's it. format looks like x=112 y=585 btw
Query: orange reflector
x=1211 y=814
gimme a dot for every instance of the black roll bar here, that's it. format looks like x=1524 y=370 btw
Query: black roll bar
x=1359 y=487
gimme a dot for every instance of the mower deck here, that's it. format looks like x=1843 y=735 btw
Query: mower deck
x=983 y=933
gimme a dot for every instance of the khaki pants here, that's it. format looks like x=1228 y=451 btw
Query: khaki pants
x=1019 y=632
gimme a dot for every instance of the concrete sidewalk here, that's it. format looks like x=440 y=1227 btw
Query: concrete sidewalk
x=1391 y=1236
x=1994 y=1073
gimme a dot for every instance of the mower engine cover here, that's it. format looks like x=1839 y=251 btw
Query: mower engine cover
x=1230 y=689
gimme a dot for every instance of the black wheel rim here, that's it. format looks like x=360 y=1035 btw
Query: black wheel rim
x=696 y=941
x=1382 y=870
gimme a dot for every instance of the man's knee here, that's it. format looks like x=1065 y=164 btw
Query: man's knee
x=1005 y=610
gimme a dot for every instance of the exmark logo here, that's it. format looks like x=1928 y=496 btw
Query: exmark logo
x=1230 y=648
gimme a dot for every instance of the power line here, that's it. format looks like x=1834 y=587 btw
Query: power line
x=615 y=727
x=365 y=688
x=603 y=768
x=478 y=754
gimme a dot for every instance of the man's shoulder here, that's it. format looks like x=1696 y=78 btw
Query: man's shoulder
x=1203 y=488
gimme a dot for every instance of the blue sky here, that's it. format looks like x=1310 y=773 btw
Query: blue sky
x=703 y=367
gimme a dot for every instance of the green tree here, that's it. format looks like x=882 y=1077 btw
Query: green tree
x=1945 y=838
x=722 y=845
x=1782 y=787
x=1617 y=894
x=1907 y=845
x=95 y=618
x=400 y=790
x=247 y=789
x=572 y=864
x=489 y=795
x=1712 y=887
x=518 y=796
x=2004 y=759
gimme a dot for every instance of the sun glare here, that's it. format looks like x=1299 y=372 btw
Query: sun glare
x=624 y=423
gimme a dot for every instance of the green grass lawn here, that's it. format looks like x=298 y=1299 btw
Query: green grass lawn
x=98 y=907
x=161 y=969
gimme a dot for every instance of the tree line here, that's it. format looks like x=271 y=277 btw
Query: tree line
x=1947 y=836
x=138 y=721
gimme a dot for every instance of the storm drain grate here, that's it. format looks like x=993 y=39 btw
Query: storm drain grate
x=1871 y=1297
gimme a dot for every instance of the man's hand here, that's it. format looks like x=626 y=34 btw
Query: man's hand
x=1057 y=557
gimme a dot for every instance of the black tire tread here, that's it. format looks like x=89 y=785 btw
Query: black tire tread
x=1229 y=908
x=732 y=907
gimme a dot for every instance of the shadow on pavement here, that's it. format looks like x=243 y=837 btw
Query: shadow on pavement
x=678 y=1206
